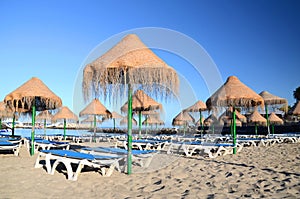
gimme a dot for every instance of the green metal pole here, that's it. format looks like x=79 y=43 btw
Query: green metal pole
x=234 y=132
x=201 y=127
x=267 y=117
x=255 y=129
x=273 y=129
x=95 y=128
x=129 y=135
x=13 y=126
x=140 y=124
x=32 y=131
x=65 y=128
x=146 y=125
x=44 y=127
x=114 y=124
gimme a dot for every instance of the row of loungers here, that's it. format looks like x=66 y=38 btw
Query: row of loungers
x=103 y=159
x=10 y=145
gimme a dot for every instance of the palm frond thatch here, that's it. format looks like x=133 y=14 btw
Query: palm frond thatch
x=233 y=93
x=95 y=108
x=257 y=118
x=34 y=90
x=142 y=102
x=129 y=62
x=65 y=113
x=274 y=119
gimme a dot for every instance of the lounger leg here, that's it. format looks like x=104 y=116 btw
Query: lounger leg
x=48 y=163
x=37 y=162
x=78 y=171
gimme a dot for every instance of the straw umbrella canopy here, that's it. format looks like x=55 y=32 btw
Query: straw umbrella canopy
x=90 y=119
x=141 y=102
x=257 y=118
x=274 y=119
x=44 y=115
x=228 y=114
x=183 y=119
x=114 y=116
x=66 y=114
x=124 y=121
x=210 y=120
x=32 y=96
x=153 y=120
x=271 y=99
x=233 y=93
x=199 y=106
x=95 y=108
x=129 y=63
x=5 y=112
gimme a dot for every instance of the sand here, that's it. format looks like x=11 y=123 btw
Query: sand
x=272 y=172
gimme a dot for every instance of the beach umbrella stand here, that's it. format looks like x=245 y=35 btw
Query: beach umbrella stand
x=129 y=133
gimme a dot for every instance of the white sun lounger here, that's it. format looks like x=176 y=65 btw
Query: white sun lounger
x=8 y=146
x=142 y=158
x=106 y=164
x=212 y=150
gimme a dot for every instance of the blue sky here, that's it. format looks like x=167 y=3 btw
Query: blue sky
x=258 y=41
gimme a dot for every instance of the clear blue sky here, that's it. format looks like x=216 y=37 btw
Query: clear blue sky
x=258 y=41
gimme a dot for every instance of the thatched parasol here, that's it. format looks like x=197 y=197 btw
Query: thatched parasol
x=44 y=115
x=5 y=112
x=130 y=63
x=66 y=114
x=210 y=120
x=90 y=119
x=153 y=120
x=257 y=119
x=141 y=102
x=271 y=99
x=233 y=93
x=32 y=96
x=199 y=106
x=114 y=116
x=228 y=114
x=183 y=119
x=95 y=108
x=274 y=119
x=124 y=121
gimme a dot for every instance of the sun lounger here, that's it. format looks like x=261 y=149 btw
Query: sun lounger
x=106 y=164
x=8 y=146
x=43 y=144
x=212 y=150
x=141 y=157
x=142 y=144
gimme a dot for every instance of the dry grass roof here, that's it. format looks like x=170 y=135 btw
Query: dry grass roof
x=182 y=118
x=44 y=115
x=22 y=98
x=95 y=107
x=151 y=120
x=142 y=102
x=125 y=119
x=257 y=118
x=274 y=119
x=234 y=93
x=65 y=113
x=197 y=107
x=129 y=62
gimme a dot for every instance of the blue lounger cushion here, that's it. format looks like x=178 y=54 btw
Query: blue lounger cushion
x=118 y=150
x=77 y=155
x=6 y=143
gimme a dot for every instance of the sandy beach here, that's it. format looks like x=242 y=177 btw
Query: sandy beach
x=271 y=172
